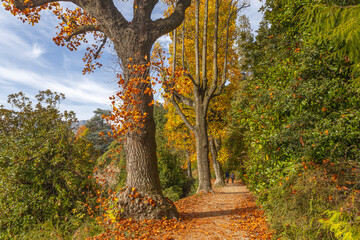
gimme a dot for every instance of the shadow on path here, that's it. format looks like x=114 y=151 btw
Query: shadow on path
x=222 y=213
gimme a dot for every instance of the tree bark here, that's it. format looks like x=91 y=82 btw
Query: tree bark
x=188 y=158
x=202 y=150
x=140 y=144
x=214 y=148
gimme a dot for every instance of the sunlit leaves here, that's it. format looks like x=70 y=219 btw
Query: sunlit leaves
x=127 y=105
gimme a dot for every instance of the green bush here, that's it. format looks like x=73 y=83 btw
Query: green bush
x=44 y=167
x=170 y=161
x=173 y=193
x=172 y=176
x=298 y=206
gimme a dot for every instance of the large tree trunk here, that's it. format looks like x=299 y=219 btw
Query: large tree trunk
x=202 y=151
x=214 y=149
x=142 y=197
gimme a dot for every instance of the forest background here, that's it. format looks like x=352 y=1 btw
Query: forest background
x=289 y=130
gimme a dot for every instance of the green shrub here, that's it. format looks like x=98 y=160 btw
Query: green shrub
x=344 y=225
x=173 y=193
x=172 y=176
x=44 y=167
x=300 y=106
x=314 y=199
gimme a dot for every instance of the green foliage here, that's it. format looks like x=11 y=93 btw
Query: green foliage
x=45 y=231
x=174 y=193
x=299 y=203
x=44 y=167
x=235 y=142
x=299 y=107
x=173 y=179
x=338 y=24
x=344 y=225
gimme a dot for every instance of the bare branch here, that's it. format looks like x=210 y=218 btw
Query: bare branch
x=216 y=88
x=183 y=45
x=96 y=55
x=215 y=50
x=82 y=30
x=181 y=114
x=197 y=57
x=204 y=46
x=174 y=50
x=223 y=80
x=163 y=26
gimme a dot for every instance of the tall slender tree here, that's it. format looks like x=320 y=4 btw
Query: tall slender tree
x=194 y=86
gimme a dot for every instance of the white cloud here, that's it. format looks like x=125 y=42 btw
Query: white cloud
x=10 y=39
x=35 y=52
x=81 y=91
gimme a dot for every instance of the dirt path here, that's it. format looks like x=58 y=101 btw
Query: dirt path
x=230 y=213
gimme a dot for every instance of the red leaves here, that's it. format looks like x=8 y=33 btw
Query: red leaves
x=130 y=111
x=253 y=220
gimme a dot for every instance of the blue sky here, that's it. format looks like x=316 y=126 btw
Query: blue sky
x=30 y=61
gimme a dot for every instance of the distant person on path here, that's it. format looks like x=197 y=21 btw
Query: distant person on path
x=227 y=177
x=232 y=177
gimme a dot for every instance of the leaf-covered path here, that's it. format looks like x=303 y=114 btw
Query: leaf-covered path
x=230 y=213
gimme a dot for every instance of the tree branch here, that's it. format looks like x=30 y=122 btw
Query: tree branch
x=95 y=8
x=82 y=30
x=196 y=45
x=96 y=55
x=215 y=88
x=215 y=50
x=181 y=98
x=204 y=47
x=105 y=12
x=142 y=9
x=163 y=26
x=191 y=78
x=21 y=4
x=181 y=114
